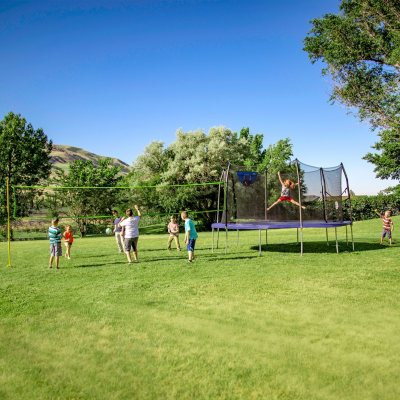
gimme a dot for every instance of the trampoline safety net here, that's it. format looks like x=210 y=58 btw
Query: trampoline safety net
x=248 y=194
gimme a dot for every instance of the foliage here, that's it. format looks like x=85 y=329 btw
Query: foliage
x=81 y=203
x=198 y=158
x=363 y=207
x=24 y=160
x=361 y=48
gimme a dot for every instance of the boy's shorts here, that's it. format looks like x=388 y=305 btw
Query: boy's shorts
x=55 y=249
x=191 y=244
x=130 y=243
x=387 y=232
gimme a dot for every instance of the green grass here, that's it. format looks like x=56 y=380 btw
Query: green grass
x=229 y=326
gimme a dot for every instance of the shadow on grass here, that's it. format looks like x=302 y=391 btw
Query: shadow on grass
x=319 y=247
x=97 y=265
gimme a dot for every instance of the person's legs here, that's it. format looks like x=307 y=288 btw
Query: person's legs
x=58 y=254
x=127 y=246
x=297 y=204
x=190 y=248
x=274 y=204
x=178 y=246
x=68 y=250
x=52 y=254
x=135 y=248
x=170 y=239
x=120 y=241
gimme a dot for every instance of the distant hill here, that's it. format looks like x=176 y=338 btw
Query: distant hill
x=62 y=155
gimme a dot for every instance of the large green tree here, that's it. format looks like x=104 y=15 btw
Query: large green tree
x=361 y=50
x=24 y=159
x=198 y=158
x=81 y=203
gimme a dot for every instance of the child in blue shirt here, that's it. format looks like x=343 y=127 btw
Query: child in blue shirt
x=190 y=235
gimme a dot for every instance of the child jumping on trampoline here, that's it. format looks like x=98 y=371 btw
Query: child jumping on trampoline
x=287 y=184
x=388 y=225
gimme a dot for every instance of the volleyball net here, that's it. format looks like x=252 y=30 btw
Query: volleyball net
x=28 y=210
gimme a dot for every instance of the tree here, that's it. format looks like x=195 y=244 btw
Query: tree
x=82 y=203
x=24 y=159
x=361 y=50
x=195 y=158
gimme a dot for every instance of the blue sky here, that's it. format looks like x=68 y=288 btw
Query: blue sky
x=111 y=76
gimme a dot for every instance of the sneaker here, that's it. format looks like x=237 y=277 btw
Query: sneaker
x=189 y=261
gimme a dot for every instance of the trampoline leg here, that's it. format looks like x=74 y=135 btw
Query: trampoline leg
x=226 y=240
x=352 y=239
x=297 y=235
x=327 y=239
x=212 y=240
x=237 y=239
x=259 y=242
x=217 y=237
x=301 y=238
x=337 y=245
x=347 y=238
x=266 y=237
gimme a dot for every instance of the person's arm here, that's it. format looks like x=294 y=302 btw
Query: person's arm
x=187 y=233
x=280 y=179
x=138 y=210
x=391 y=226
x=122 y=226
x=377 y=213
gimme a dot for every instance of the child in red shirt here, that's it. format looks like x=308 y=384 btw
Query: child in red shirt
x=68 y=240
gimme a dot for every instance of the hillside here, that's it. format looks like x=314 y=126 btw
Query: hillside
x=62 y=155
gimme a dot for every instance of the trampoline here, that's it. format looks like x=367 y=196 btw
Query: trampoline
x=266 y=225
x=246 y=196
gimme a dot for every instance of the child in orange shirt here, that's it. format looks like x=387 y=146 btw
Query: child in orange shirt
x=68 y=240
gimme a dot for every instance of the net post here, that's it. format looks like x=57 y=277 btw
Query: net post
x=226 y=205
x=8 y=221
x=352 y=239
x=323 y=192
x=300 y=209
x=350 y=207
x=265 y=196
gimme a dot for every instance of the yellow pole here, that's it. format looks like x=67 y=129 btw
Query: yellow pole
x=8 y=221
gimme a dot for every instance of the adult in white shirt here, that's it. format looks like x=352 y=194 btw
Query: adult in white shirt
x=130 y=233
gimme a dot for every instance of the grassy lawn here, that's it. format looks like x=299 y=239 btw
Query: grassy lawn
x=228 y=326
